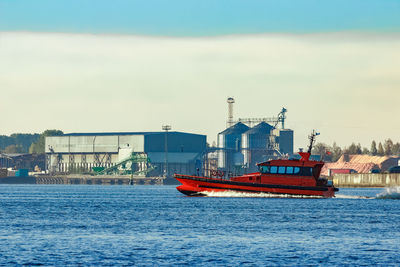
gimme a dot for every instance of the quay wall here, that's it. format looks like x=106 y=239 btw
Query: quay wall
x=366 y=180
x=99 y=180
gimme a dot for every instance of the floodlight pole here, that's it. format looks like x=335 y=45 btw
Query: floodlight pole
x=166 y=128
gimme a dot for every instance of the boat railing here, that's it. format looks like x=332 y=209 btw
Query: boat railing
x=216 y=174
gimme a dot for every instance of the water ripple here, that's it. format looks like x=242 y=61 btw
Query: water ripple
x=156 y=225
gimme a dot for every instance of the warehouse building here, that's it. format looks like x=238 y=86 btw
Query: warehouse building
x=81 y=152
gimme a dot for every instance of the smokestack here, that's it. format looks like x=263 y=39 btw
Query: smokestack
x=230 y=102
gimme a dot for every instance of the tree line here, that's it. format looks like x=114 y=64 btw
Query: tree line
x=334 y=152
x=26 y=143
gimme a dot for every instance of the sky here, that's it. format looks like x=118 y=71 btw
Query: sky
x=198 y=17
x=88 y=66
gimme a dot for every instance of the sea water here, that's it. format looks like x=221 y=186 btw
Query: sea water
x=157 y=225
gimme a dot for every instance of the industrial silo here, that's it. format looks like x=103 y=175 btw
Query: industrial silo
x=229 y=144
x=255 y=144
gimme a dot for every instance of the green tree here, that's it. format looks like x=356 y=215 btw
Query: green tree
x=22 y=141
x=358 y=149
x=13 y=149
x=381 y=151
x=396 y=149
x=353 y=149
x=388 y=146
x=373 y=151
x=365 y=151
x=336 y=152
x=38 y=147
x=320 y=149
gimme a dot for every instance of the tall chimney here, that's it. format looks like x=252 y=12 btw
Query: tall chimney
x=230 y=102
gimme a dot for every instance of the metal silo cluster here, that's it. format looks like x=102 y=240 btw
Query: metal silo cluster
x=256 y=145
x=229 y=147
x=241 y=147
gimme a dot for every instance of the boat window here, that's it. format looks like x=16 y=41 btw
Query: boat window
x=274 y=169
x=264 y=169
x=289 y=170
x=306 y=171
x=296 y=170
x=281 y=169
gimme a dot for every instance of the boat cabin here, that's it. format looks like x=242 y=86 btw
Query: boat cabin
x=302 y=171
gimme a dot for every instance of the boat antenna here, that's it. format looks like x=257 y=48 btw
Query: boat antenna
x=312 y=140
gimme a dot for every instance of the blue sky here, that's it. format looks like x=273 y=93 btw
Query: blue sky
x=199 y=18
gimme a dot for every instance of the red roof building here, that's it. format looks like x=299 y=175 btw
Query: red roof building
x=359 y=164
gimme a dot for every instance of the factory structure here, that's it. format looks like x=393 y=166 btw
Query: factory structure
x=244 y=142
x=248 y=141
x=120 y=153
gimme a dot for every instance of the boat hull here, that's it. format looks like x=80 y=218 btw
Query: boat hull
x=201 y=186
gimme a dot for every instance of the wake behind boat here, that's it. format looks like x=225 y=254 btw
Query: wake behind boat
x=296 y=177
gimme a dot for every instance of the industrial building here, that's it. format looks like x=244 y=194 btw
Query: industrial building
x=151 y=153
x=22 y=161
x=241 y=146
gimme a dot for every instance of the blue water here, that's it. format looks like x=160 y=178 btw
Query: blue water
x=156 y=225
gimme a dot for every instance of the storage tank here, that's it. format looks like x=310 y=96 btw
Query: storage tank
x=230 y=143
x=255 y=143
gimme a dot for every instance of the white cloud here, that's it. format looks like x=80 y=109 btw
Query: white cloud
x=344 y=84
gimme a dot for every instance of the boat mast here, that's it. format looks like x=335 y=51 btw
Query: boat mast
x=312 y=140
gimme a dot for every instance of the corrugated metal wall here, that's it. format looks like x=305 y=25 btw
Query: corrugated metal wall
x=177 y=142
x=80 y=151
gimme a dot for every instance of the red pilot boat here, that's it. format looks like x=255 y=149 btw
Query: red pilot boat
x=280 y=177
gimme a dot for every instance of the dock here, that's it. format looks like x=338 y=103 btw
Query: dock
x=99 y=180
